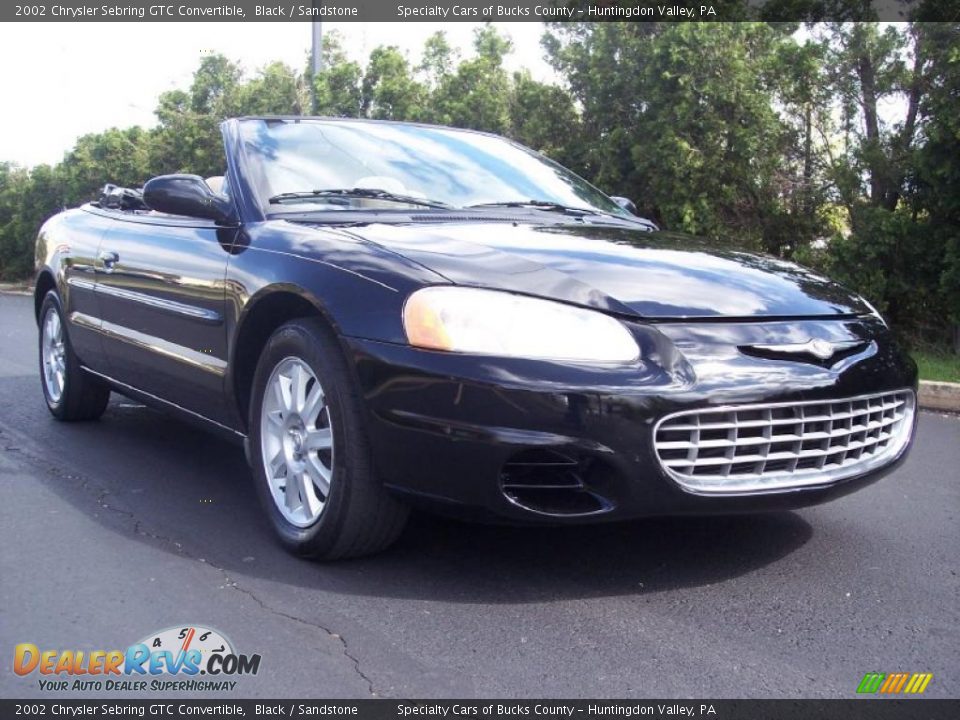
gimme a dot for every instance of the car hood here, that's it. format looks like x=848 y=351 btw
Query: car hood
x=654 y=275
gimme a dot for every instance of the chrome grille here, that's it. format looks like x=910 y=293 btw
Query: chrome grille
x=775 y=446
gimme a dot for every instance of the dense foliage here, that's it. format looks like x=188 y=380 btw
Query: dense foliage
x=835 y=145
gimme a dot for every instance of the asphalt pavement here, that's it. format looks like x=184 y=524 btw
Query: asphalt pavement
x=115 y=529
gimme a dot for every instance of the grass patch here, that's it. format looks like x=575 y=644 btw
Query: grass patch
x=938 y=366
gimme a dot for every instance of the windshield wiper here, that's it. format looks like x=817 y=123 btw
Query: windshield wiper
x=548 y=205
x=372 y=193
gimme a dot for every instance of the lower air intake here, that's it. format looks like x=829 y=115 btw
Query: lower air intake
x=550 y=483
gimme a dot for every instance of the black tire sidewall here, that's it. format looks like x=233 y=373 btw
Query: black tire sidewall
x=51 y=303
x=307 y=342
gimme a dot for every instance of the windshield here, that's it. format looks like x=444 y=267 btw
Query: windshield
x=298 y=165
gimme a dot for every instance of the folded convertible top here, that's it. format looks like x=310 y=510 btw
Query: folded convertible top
x=121 y=198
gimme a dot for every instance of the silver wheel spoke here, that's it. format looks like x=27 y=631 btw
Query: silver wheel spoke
x=282 y=391
x=297 y=455
x=308 y=492
x=292 y=491
x=319 y=439
x=276 y=464
x=319 y=474
x=298 y=388
x=313 y=405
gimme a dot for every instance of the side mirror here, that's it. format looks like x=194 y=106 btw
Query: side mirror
x=626 y=203
x=186 y=195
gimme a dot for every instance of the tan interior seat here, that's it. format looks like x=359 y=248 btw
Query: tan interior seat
x=215 y=183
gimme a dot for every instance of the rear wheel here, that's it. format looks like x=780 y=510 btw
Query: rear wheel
x=309 y=451
x=71 y=393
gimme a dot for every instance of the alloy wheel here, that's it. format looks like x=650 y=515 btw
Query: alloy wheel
x=54 y=356
x=296 y=438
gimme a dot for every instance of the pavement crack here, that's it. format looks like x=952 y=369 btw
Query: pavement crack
x=100 y=495
x=317 y=626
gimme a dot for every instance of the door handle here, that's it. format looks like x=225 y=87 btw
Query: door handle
x=109 y=259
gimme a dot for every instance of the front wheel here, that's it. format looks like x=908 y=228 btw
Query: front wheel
x=311 y=459
x=70 y=392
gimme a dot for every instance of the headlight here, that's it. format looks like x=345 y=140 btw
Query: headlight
x=488 y=322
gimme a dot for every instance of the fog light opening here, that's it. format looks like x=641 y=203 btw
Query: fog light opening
x=551 y=482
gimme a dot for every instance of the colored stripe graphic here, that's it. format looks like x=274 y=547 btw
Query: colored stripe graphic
x=895 y=683
x=918 y=683
x=871 y=682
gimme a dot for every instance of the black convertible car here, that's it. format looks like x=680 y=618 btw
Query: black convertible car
x=388 y=314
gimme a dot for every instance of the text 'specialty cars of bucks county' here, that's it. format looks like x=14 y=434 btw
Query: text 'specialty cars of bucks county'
x=391 y=314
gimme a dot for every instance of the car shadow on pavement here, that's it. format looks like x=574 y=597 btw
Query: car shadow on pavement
x=190 y=493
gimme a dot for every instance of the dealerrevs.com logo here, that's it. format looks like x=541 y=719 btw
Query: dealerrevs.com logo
x=169 y=660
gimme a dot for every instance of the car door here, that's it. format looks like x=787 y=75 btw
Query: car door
x=80 y=303
x=160 y=286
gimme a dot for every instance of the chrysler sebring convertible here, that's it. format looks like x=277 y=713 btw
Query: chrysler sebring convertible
x=390 y=315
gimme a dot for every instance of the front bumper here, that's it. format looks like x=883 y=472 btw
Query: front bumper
x=534 y=441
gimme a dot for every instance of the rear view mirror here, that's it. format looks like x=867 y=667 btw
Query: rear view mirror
x=186 y=195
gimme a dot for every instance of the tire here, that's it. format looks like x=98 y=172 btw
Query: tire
x=71 y=393
x=309 y=447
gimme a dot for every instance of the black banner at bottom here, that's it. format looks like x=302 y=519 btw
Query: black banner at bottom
x=854 y=709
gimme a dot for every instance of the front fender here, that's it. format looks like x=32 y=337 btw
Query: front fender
x=358 y=286
x=279 y=271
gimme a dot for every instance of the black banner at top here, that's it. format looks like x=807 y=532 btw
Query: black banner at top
x=478 y=10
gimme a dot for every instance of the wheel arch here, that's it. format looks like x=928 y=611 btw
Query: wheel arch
x=266 y=311
x=45 y=283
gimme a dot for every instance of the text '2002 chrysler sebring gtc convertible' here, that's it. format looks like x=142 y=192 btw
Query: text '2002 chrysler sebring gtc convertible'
x=391 y=314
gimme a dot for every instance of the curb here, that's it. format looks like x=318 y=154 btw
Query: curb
x=939 y=396
x=15 y=289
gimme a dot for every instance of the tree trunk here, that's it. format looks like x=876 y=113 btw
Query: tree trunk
x=905 y=139
x=868 y=98
x=808 y=162
x=864 y=65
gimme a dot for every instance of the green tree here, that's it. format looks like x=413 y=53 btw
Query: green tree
x=116 y=156
x=27 y=199
x=437 y=61
x=188 y=136
x=15 y=255
x=275 y=90
x=477 y=95
x=544 y=117
x=891 y=174
x=686 y=125
x=390 y=91
x=938 y=165
x=337 y=86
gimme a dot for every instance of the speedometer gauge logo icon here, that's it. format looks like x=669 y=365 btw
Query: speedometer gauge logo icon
x=180 y=640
